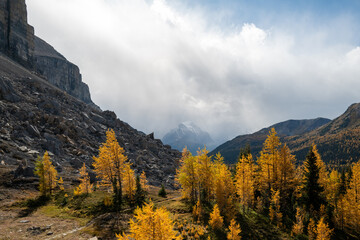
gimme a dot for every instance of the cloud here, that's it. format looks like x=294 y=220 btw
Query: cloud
x=156 y=65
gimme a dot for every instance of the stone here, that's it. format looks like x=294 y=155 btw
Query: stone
x=24 y=221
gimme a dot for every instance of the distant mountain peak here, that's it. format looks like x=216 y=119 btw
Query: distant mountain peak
x=189 y=135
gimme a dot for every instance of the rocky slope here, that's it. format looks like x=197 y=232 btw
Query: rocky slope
x=17 y=40
x=37 y=116
x=189 y=135
x=230 y=150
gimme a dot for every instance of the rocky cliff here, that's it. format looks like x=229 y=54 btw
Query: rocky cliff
x=16 y=35
x=17 y=40
x=59 y=71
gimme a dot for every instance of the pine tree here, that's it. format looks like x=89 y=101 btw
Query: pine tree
x=162 y=191
x=322 y=231
x=140 y=193
x=216 y=220
x=85 y=186
x=312 y=191
x=151 y=224
x=234 y=231
x=47 y=174
x=110 y=164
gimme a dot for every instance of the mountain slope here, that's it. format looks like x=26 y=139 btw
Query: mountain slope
x=189 y=135
x=36 y=116
x=230 y=150
x=45 y=106
x=338 y=141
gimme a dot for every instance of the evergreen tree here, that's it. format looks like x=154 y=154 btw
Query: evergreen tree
x=140 y=193
x=311 y=190
x=162 y=191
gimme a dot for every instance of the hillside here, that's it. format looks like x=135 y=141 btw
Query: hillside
x=45 y=106
x=338 y=141
x=230 y=150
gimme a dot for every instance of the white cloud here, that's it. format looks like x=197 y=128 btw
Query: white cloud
x=156 y=66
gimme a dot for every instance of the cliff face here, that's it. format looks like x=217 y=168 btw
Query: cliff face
x=16 y=35
x=17 y=40
x=59 y=71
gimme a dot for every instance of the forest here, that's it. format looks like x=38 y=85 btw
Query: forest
x=265 y=198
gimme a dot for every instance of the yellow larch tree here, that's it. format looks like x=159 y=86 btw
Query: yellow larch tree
x=206 y=174
x=333 y=184
x=311 y=229
x=224 y=188
x=61 y=184
x=234 y=231
x=85 y=186
x=351 y=204
x=269 y=163
x=188 y=176
x=47 y=174
x=129 y=182
x=298 y=226
x=275 y=214
x=110 y=164
x=216 y=220
x=144 y=182
x=245 y=181
x=151 y=224
x=323 y=232
x=323 y=173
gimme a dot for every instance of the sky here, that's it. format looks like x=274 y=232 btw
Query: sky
x=230 y=66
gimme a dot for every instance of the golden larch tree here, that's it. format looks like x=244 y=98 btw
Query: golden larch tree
x=234 y=231
x=216 y=220
x=269 y=163
x=245 y=180
x=129 y=182
x=144 y=182
x=275 y=214
x=110 y=164
x=224 y=188
x=323 y=231
x=188 y=176
x=311 y=229
x=298 y=226
x=206 y=174
x=151 y=224
x=85 y=186
x=47 y=174
x=351 y=204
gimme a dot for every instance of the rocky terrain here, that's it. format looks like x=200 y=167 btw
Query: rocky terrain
x=231 y=149
x=45 y=106
x=189 y=135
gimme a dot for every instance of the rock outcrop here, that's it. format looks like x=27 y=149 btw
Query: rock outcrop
x=16 y=35
x=59 y=71
x=17 y=40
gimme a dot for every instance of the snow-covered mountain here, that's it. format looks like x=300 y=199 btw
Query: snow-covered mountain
x=189 y=135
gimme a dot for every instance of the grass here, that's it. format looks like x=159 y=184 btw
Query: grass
x=52 y=210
